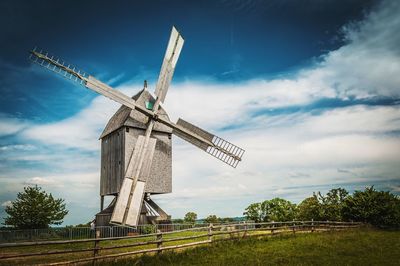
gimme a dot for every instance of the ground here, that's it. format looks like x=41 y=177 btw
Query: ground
x=361 y=246
x=355 y=247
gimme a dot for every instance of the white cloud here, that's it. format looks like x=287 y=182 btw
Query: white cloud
x=11 y=125
x=356 y=119
x=6 y=203
x=18 y=147
x=369 y=64
x=273 y=153
x=41 y=181
x=82 y=130
x=79 y=131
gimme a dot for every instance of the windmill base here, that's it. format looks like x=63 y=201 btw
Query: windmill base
x=151 y=214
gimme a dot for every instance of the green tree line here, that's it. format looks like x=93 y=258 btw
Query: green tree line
x=378 y=208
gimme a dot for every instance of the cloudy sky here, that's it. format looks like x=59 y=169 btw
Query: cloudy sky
x=310 y=89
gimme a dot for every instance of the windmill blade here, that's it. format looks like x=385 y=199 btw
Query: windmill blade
x=172 y=53
x=130 y=198
x=120 y=207
x=58 y=66
x=109 y=92
x=135 y=206
x=70 y=72
x=216 y=146
x=141 y=150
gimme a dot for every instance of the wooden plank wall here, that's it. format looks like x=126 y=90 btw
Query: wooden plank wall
x=160 y=178
x=112 y=163
x=116 y=149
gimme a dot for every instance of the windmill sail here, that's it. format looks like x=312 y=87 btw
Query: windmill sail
x=70 y=72
x=193 y=130
x=58 y=66
x=174 y=48
x=216 y=146
x=143 y=152
x=109 y=92
x=129 y=202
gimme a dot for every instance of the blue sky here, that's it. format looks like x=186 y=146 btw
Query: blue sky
x=309 y=88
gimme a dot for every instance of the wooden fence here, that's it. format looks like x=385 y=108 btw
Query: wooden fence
x=201 y=236
x=70 y=233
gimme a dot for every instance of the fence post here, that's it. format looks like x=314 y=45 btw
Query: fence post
x=272 y=229
x=312 y=225
x=245 y=229
x=96 y=246
x=159 y=241
x=210 y=227
x=294 y=227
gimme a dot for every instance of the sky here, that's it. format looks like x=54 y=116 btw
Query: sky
x=309 y=88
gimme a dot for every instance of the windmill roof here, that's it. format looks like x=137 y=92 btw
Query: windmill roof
x=133 y=118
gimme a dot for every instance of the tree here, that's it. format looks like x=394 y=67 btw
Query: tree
x=225 y=220
x=378 y=208
x=35 y=209
x=211 y=219
x=310 y=208
x=278 y=210
x=254 y=213
x=177 y=221
x=190 y=218
x=332 y=204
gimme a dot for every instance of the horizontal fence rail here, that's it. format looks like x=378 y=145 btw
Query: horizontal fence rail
x=70 y=233
x=154 y=242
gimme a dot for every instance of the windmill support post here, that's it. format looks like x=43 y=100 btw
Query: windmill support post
x=101 y=203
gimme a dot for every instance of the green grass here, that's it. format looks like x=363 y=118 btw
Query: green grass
x=75 y=246
x=355 y=247
x=351 y=247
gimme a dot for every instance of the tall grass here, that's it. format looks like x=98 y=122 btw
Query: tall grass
x=355 y=247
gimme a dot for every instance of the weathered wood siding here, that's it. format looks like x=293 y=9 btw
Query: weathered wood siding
x=160 y=178
x=112 y=163
x=116 y=150
x=103 y=219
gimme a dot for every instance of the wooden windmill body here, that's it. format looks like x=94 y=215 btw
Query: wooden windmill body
x=118 y=141
x=136 y=143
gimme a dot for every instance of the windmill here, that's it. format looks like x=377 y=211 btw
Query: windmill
x=132 y=199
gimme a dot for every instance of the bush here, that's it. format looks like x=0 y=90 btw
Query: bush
x=148 y=229
x=379 y=208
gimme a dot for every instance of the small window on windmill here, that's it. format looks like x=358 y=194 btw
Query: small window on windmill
x=149 y=105
x=127 y=129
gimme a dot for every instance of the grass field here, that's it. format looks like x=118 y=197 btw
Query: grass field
x=354 y=247
x=350 y=247
x=76 y=246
